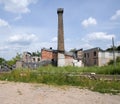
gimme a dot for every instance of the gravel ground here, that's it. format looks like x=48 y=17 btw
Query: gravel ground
x=24 y=93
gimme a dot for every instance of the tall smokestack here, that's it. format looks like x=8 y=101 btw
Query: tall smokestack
x=61 y=56
x=60 y=30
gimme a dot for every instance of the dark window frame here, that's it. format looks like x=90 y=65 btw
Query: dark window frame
x=95 y=53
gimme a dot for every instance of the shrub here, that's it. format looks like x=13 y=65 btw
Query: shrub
x=111 y=62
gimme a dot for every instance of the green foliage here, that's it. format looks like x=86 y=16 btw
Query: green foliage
x=65 y=76
x=2 y=61
x=111 y=62
x=116 y=48
x=107 y=87
x=73 y=50
x=36 y=54
x=13 y=60
x=118 y=59
x=111 y=49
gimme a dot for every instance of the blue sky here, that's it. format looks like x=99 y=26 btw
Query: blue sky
x=29 y=25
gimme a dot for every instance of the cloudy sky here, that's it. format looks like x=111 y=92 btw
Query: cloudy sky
x=29 y=25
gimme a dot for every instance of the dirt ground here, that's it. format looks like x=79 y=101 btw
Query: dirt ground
x=24 y=93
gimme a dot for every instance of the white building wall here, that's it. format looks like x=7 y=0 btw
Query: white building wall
x=36 y=59
x=105 y=57
x=77 y=63
x=68 y=62
x=26 y=57
x=61 y=60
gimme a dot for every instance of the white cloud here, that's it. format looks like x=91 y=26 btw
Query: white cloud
x=87 y=46
x=116 y=15
x=3 y=23
x=118 y=43
x=97 y=39
x=18 y=17
x=54 y=39
x=3 y=48
x=17 y=6
x=89 y=21
x=22 y=39
x=99 y=36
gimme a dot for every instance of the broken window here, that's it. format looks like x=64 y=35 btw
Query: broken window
x=34 y=59
x=94 y=53
x=85 y=55
x=38 y=59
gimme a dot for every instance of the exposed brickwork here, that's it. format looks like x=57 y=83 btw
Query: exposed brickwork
x=60 y=30
x=48 y=55
x=91 y=57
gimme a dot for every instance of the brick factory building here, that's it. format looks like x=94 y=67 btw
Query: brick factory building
x=50 y=54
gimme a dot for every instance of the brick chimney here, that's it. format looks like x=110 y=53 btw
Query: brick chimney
x=60 y=30
x=61 y=56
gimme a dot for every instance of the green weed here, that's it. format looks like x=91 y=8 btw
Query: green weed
x=65 y=76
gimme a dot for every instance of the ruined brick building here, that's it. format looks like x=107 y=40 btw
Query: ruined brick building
x=59 y=57
x=98 y=57
x=50 y=54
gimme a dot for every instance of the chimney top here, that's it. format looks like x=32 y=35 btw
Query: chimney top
x=60 y=10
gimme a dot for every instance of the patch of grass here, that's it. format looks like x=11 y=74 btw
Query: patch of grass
x=61 y=76
x=107 y=87
x=109 y=69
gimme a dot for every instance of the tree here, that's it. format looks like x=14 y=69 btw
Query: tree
x=2 y=61
x=73 y=50
x=36 y=54
x=118 y=48
x=117 y=61
x=111 y=49
x=14 y=59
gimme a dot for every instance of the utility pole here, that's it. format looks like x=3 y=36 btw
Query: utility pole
x=114 y=59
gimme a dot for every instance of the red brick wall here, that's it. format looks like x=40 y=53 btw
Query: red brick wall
x=49 y=55
x=46 y=55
